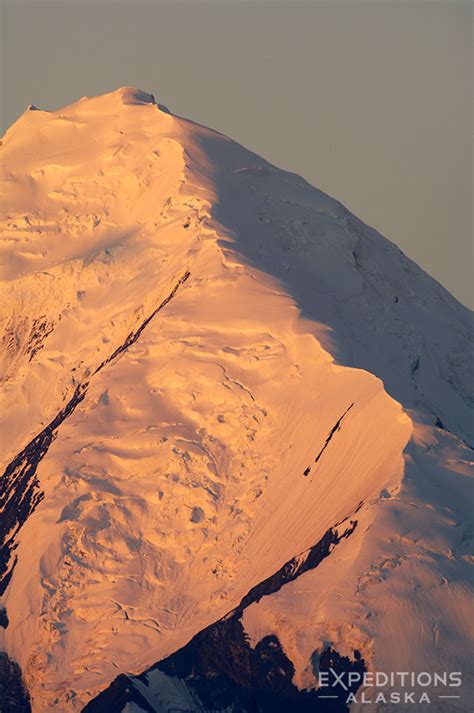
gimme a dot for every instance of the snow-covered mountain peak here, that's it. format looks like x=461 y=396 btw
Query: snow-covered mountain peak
x=114 y=100
x=221 y=392
x=133 y=95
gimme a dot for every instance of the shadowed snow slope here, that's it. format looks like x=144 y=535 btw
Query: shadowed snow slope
x=207 y=364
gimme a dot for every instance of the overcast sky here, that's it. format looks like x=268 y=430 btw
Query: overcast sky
x=369 y=100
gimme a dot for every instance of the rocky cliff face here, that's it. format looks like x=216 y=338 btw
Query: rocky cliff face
x=236 y=427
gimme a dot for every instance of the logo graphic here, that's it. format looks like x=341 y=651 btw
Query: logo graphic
x=393 y=687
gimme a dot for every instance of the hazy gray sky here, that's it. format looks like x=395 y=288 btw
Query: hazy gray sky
x=370 y=100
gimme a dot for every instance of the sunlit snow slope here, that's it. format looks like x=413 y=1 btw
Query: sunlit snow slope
x=207 y=364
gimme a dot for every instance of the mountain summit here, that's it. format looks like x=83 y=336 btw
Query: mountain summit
x=236 y=426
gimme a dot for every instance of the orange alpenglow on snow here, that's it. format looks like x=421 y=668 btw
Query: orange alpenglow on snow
x=215 y=378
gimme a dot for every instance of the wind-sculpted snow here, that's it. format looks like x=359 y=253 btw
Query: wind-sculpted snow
x=134 y=336
x=163 y=480
x=297 y=565
x=20 y=491
x=218 y=670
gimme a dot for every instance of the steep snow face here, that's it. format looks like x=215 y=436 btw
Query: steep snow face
x=208 y=364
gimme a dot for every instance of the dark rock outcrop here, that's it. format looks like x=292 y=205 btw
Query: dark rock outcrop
x=14 y=697
x=223 y=672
